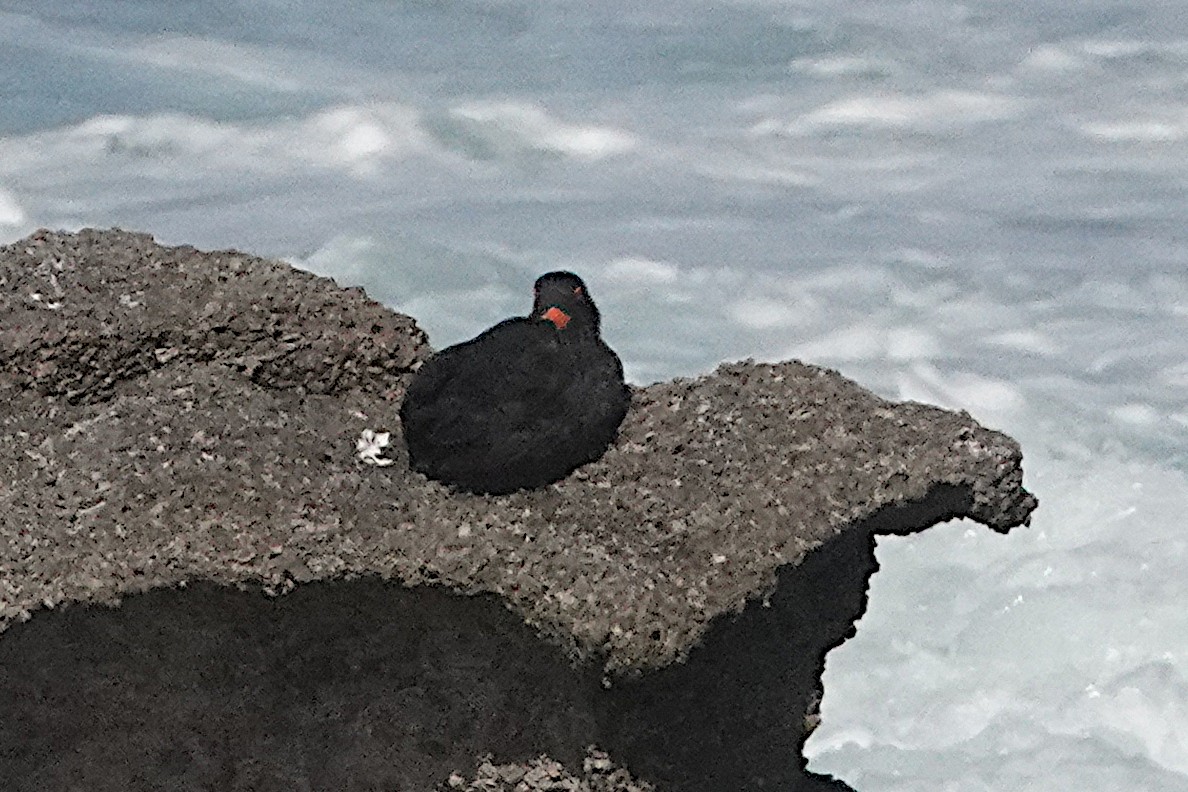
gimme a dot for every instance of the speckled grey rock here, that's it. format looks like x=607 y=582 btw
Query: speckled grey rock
x=598 y=774
x=170 y=416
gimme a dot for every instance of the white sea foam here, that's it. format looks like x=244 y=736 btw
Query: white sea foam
x=862 y=342
x=1053 y=58
x=1112 y=678
x=635 y=270
x=1150 y=130
x=337 y=137
x=937 y=110
x=1125 y=49
x=1144 y=709
x=11 y=213
x=1141 y=414
x=513 y=128
x=960 y=390
x=843 y=65
x=1027 y=341
x=763 y=314
x=354 y=135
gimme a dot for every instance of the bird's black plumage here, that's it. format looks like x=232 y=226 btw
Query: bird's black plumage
x=522 y=404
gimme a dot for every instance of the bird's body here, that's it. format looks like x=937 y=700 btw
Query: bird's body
x=522 y=404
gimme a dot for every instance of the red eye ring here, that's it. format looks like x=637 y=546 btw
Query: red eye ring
x=577 y=289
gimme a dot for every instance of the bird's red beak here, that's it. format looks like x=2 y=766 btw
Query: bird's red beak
x=556 y=316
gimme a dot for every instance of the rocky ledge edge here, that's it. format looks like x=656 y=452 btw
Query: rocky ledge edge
x=174 y=419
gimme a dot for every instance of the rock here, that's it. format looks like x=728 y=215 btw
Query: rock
x=598 y=774
x=186 y=423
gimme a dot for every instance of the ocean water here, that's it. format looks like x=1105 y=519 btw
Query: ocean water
x=982 y=205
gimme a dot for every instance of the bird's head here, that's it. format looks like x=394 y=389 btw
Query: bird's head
x=562 y=298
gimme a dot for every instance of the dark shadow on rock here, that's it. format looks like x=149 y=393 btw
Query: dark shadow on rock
x=359 y=685
x=732 y=716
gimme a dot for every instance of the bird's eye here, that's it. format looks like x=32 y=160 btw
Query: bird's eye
x=577 y=289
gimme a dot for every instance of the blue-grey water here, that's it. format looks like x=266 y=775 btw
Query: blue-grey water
x=982 y=205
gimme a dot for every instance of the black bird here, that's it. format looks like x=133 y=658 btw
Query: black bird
x=522 y=404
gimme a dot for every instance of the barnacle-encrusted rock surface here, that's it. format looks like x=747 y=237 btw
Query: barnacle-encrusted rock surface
x=173 y=417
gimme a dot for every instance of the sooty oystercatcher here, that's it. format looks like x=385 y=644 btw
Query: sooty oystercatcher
x=522 y=404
